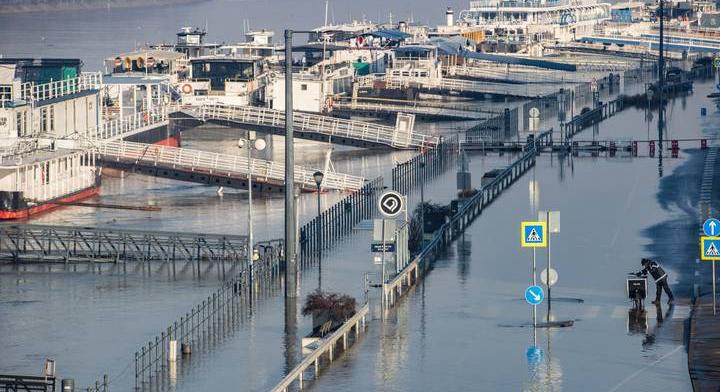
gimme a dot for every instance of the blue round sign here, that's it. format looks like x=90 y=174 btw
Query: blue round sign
x=534 y=295
x=711 y=227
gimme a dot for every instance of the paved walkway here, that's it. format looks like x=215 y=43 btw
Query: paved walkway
x=704 y=346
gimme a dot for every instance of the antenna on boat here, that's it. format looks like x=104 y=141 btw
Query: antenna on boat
x=327 y=6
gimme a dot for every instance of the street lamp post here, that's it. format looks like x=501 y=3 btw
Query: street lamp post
x=249 y=144
x=318 y=176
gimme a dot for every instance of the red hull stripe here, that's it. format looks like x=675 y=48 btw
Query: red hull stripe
x=50 y=205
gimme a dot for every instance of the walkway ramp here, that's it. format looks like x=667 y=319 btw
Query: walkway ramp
x=317 y=127
x=45 y=243
x=470 y=87
x=212 y=168
x=384 y=108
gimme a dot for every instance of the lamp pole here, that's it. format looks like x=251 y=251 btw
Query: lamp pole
x=318 y=176
x=291 y=270
x=249 y=144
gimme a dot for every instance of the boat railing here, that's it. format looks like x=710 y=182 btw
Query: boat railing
x=128 y=125
x=60 y=88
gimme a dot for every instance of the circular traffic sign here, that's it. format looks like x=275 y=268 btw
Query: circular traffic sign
x=534 y=295
x=711 y=227
x=553 y=277
x=391 y=204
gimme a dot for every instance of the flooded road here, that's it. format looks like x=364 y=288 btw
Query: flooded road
x=463 y=328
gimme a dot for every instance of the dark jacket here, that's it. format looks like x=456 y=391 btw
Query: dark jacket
x=657 y=272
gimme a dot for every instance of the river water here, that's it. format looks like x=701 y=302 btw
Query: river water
x=462 y=328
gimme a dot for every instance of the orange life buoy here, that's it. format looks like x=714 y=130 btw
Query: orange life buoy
x=146 y=116
x=329 y=104
x=187 y=88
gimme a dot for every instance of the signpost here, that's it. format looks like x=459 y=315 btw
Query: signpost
x=710 y=251
x=533 y=234
x=391 y=204
x=552 y=220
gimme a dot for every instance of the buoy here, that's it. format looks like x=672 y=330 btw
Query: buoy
x=187 y=88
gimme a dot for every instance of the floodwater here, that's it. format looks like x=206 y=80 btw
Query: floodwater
x=465 y=327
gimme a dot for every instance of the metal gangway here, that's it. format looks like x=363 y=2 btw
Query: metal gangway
x=212 y=168
x=127 y=126
x=472 y=87
x=65 y=244
x=315 y=127
x=418 y=110
x=521 y=74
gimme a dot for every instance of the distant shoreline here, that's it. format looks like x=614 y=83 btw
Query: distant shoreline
x=22 y=6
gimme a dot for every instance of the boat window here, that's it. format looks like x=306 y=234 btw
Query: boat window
x=303 y=87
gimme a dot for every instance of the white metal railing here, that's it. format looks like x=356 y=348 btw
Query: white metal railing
x=428 y=110
x=59 y=88
x=460 y=85
x=521 y=74
x=351 y=129
x=327 y=346
x=129 y=125
x=219 y=164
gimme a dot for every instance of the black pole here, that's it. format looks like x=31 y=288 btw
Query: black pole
x=319 y=251
x=661 y=84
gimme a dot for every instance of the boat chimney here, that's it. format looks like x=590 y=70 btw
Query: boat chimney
x=402 y=26
x=450 y=17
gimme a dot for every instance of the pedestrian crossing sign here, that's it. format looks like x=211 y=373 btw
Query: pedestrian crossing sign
x=709 y=248
x=534 y=234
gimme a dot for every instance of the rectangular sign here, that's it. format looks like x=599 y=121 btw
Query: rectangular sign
x=533 y=234
x=378 y=247
x=553 y=220
x=709 y=248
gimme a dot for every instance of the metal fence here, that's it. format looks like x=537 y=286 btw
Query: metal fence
x=466 y=214
x=336 y=222
x=428 y=164
x=224 y=304
x=500 y=127
x=64 y=244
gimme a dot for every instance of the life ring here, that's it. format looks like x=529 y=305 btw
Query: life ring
x=329 y=104
x=146 y=117
x=187 y=88
x=364 y=59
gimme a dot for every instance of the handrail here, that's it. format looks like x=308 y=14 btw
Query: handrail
x=59 y=88
x=328 y=344
x=325 y=125
x=127 y=126
x=224 y=164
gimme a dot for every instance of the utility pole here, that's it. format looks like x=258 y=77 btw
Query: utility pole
x=661 y=80
x=291 y=268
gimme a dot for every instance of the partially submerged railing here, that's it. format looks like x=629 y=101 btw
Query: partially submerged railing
x=592 y=117
x=231 y=166
x=226 y=303
x=327 y=347
x=44 y=243
x=469 y=210
x=329 y=126
x=430 y=163
x=336 y=222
